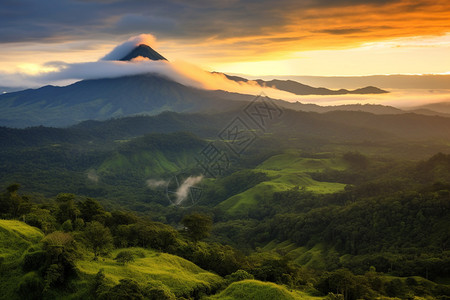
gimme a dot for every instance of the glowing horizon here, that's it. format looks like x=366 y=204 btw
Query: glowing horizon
x=290 y=37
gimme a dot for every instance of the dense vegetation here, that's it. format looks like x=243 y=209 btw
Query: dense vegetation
x=87 y=216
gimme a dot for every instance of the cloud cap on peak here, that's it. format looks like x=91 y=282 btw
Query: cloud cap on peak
x=123 y=50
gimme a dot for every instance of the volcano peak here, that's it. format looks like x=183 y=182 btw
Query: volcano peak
x=144 y=51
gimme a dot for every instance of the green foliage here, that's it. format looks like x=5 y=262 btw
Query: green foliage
x=124 y=257
x=126 y=289
x=91 y=210
x=221 y=259
x=182 y=277
x=34 y=260
x=145 y=234
x=98 y=237
x=41 y=218
x=62 y=253
x=67 y=226
x=198 y=226
x=159 y=293
x=238 y=276
x=12 y=204
x=30 y=286
x=253 y=289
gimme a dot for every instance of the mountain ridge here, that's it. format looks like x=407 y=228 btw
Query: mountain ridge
x=145 y=51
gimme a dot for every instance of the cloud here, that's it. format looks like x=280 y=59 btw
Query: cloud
x=155 y=183
x=192 y=22
x=183 y=191
x=61 y=73
x=123 y=49
x=93 y=176
x=400 y=98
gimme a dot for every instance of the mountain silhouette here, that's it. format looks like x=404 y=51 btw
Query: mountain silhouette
x=144 y=51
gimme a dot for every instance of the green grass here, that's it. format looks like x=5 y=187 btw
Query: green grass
x=16 y=237
x=179 y=275
x=153 y=268
x=254 y=289
x=286 y=171
x=314 y=257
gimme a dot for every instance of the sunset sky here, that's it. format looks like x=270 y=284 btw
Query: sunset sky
x=286 y=37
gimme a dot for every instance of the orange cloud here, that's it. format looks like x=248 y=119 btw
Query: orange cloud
x=337 y=27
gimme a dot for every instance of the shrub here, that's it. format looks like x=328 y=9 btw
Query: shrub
x=30 y=286
x=124 y=257
x=159 y=293
x=238 y=276
x=34 y=260
x=67 y=226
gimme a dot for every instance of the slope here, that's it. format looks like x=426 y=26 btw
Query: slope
x=103 y=99
x=15 y=239
x=255 y=289
x=153 y=268
x=286 y=171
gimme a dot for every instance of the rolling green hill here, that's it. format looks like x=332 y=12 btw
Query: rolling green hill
x=254 y=289
x=153 y=268
x=15 y=238
x=286 y=171
x=150 y=268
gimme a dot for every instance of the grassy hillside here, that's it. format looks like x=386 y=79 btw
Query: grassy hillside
x=315 y=257
x=15 y=238
x=254 y=289
x=285 y=171
x=154 y=269
x=150 y=268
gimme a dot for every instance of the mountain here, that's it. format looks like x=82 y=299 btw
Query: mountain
x=442 y=107
x=426 y=81
x=150 y=94
x=303 y=89
x=5 y=89
x=102 y=99
x=371 y=108
x=144 y=51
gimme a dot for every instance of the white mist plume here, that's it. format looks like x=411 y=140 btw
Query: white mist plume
x=126 y=47
x=183 y=190
x=93 y=176
x=154 y=183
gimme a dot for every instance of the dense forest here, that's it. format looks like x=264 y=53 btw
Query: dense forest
x=323 y=214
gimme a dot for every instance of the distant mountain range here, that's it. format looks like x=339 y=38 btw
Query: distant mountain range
x=426 y=81
x=303 y=89
x=102 y=99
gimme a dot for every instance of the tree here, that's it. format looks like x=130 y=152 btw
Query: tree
x=66 y=207
x=61 y=252
x=98 y=237
x=11 y=201
x=67 y=226
x=126 y=289
x=90 y=209
x=341 y=281
x=159 y=293
x=198 y=226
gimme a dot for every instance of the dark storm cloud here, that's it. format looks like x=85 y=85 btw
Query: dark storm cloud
x=59 y=20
